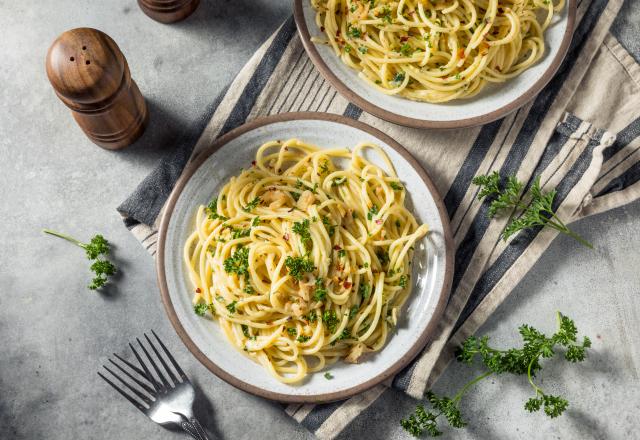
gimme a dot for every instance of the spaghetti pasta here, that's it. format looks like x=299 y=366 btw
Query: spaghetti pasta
x=435 y=50
x=301 y=262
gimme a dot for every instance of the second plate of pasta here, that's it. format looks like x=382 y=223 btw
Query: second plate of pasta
x=439 y=64
x=304 y=257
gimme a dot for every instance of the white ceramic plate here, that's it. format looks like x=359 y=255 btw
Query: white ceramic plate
x=205 y=176
x=494 y=102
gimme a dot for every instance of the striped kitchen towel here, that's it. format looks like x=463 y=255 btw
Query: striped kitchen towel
x=558 y=136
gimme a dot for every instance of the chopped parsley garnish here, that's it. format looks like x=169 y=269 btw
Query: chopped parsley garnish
x=403 y=281
x=256 y=221
x=395 y=186
x=292 y=331
x=321 y=291
x=398 y=78
x=363 y=49
x=372 y=211
x=342 y=253
x=324 y=167
x=252 y=204
x=298 y=266
x=212 y=210
x=300 y=184
x=312 y=316
x=239 y=233
x=200 y=309
x=354 y=32
x=249 y=290
x=330 y=320
x=347 y=48
x=353 y=311
x=346 y=334
x=337 y=181
x=331 y=229
x=383 y=256
x=302 y=229
x=328 y=376
x=457 y=76
x=366 y=264
x=238 y=263
x=295 y=195
x=231 y=307
x=245 y=330
x=406 y=50
x=364 y=290
x=386 y=14
x=303 y=338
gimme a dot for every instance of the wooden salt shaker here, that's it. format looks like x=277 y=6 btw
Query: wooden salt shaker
x=91 y=76
x=168 y=11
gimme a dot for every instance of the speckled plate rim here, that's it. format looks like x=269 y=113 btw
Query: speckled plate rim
x=370 y=107
x=417 y=346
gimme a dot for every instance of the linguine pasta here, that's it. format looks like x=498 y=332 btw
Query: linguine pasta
x=435 y=51
x=301 y=262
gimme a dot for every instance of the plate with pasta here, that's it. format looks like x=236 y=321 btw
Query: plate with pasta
x=304 y=257
x=440 y=63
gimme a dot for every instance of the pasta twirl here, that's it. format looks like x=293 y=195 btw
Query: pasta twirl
x=436 y=51
x=302 y=262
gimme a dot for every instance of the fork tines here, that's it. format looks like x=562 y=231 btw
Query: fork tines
x=147 y=385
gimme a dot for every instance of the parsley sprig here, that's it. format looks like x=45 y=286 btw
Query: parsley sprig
x=97 y=250
x=518 y=361
x=538 y=212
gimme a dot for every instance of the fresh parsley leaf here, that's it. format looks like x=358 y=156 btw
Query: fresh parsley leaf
x=96 y=250
x=403 y=281
x=363 y=49
x=238 y=263
x=331 y=229
x=256 y=221
x=292 y=331
x=337 y=181
x=518 y=361
x=507 y=199
x=302 y=229
x=406 y=50
x=320 y=292
x=249 y=290
x=245 y=330
x=312 y=316
x=212 y=210
x=328 y=376
x=298 y=266
x=303 y=338
x=364 y=290
x=330 y=320
x=200 y=309
x=231 y=307
x=354 y=32
x=372 y=212
x=395 y=186
x=342 y=253
x=251 y=205
x=398 y=78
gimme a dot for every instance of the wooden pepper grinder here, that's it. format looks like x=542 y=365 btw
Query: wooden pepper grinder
x=168 y=11
x=91 y=76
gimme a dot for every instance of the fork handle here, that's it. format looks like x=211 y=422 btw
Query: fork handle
x=192 y=427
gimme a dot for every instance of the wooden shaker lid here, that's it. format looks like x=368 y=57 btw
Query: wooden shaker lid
x=91 y=76
x=168 y=11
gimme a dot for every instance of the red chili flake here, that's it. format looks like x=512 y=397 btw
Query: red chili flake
x=321 y=28
x=378 y=221
x=198 y=290
x=337 y=248
x=405 y=38
x=347 y=284
x=253 y=163
x=338 y=33
x=286 y=237
x=339 y=267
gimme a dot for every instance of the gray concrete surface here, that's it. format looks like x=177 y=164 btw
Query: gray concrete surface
x=55 y=333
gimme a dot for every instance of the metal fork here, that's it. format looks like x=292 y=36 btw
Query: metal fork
x=166 y=399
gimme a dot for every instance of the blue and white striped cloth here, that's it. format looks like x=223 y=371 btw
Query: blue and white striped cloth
x=580 y=134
